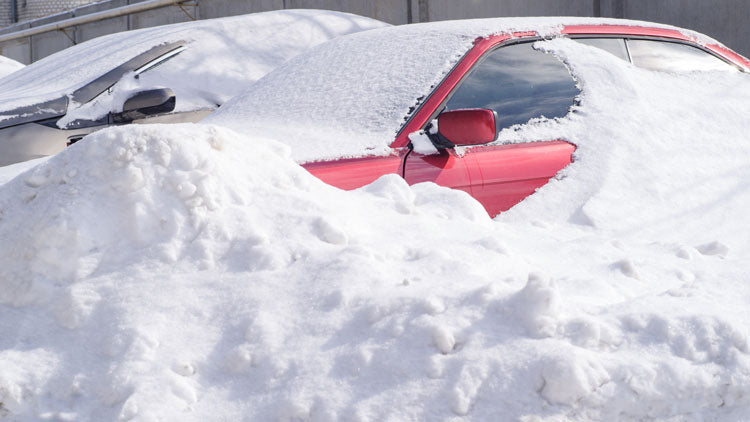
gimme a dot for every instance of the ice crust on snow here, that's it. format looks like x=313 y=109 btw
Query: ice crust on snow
x=353 y=94
x=189 y=272
x=223 y=55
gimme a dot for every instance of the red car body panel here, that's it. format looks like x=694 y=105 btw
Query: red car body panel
x=510 y=173
x=446 y=169
x=499 y=176
x=353 y=173
x=468 y=127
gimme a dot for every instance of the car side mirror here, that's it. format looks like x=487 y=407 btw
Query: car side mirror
x=146 y=103
x=467 y=126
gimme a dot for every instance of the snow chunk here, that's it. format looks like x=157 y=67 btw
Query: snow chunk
x=570 y=377
x=537 y=304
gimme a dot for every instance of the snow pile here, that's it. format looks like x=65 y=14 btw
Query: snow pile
x=188 y=272
x=221 y=55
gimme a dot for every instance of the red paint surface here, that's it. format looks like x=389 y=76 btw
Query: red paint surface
x=356 y=172
x=510 y=173
x=468 y=127
x=446 y=169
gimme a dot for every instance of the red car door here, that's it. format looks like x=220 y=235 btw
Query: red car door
x=446 y=169
x=510 y=173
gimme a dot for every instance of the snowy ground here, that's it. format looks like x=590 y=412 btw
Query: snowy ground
x=192 y=273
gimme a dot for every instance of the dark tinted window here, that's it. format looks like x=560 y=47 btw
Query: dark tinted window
x=614 y=46
x=519 y=83
x=674 y=57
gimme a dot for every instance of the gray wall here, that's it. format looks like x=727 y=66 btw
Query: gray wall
x=725 y=20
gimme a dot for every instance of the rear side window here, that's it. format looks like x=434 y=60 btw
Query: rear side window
x=674 y=57
x=614 y=46
x=519 y=83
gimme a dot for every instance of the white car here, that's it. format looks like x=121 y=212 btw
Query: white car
x=172 y=73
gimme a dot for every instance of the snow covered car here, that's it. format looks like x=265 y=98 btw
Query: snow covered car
x=172 y=73
x=441 y=101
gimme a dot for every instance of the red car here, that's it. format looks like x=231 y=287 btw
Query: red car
x=495 y=83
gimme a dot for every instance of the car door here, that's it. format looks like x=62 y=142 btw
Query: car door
x=519 y=84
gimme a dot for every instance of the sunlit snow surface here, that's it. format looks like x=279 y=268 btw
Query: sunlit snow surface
x=189 y=272
x=8 y=66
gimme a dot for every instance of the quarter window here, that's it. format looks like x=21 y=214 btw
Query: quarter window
x=614 y=46
x=674 y=57
x=519 y=83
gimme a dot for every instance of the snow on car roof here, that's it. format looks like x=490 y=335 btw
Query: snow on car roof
x=223 y=55
x=350 y=96
x=8 y=66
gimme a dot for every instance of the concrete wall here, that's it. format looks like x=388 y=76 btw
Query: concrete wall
x=33 y=9
x=725 y=20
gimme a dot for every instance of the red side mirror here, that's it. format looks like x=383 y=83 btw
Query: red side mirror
x=468 y=127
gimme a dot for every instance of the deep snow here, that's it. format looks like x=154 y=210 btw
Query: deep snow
x=189 y=272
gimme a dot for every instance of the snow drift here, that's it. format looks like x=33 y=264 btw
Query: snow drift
x=189 y=272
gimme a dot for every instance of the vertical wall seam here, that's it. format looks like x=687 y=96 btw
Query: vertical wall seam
x=424 y=11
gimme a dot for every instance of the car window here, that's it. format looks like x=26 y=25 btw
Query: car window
x=614 y=46
x=674 y=57
x=519 y=83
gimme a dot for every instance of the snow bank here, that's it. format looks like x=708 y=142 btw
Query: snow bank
x=189 y=272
